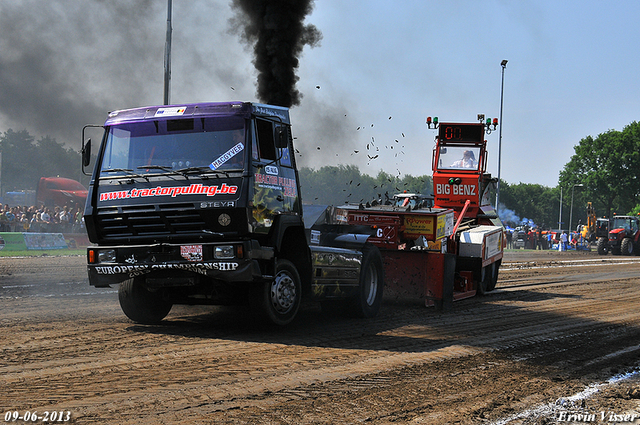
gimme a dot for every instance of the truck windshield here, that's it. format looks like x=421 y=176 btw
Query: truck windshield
x=458 y=158
x=213 y=143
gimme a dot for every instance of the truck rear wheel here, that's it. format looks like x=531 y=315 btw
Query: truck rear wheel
x=369 y=298
x=626 y=248
x=278 y=301
x=141 y=305
x=603 y=248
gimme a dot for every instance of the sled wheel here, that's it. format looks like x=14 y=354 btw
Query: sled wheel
x=493 y=276
x=483 y=280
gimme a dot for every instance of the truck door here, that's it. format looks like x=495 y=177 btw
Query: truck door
x=275 y=183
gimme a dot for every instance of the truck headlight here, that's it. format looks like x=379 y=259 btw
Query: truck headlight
x=107 y=256
x=224 y=252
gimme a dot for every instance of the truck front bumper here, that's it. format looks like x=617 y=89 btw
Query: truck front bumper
x=180 y=264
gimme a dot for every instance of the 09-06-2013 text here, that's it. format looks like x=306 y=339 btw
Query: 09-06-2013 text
x=34 y=416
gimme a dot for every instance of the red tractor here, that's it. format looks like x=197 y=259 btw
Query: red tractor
x=624 y=236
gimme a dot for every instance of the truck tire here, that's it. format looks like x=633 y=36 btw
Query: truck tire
x=368 y=300
x=141 y=305
x=626 y=247
x=483 y=280
x=492 y=276
x=278 y=301
x=603 y=248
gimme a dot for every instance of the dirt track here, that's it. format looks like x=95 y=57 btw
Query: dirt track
x=516 y=356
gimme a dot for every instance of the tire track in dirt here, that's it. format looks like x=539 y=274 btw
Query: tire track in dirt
x=219 y=387
x=215 y=367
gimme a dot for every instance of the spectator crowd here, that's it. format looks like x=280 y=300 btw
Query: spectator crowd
x=67 y=219
x=536 y=238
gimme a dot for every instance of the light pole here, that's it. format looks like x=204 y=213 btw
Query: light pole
x=503 y=64
x=167 y=56
x=571 y=210
x=560 y=216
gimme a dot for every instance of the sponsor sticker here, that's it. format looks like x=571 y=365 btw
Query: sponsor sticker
x=170 y=112
x=270 y=169
x=191 y=252
x=227 y=156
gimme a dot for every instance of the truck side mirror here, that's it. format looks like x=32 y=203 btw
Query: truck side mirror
x=86 y=153
x=281 y=138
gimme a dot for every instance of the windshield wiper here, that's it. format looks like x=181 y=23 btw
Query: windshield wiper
x=163 y=168
x=124 y=170
x=194 y=169
x=203 y=170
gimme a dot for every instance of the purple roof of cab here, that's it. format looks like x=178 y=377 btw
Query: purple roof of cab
x=197 y=110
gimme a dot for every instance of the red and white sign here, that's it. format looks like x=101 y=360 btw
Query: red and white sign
x=191 y=252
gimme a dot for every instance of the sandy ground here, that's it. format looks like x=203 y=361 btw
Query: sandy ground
x=557 y=342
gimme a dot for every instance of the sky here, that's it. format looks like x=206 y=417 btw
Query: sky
x=379 y=70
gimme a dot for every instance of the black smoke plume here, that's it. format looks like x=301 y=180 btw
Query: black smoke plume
x=276 y=30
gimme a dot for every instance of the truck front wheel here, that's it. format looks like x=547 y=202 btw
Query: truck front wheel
x=278 y=301
x=369 y=298
x=141 y=305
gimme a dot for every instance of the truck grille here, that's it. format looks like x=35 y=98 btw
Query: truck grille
x=148 y=221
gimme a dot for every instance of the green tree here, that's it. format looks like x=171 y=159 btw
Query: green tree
x=18 y=169
x=418 y=184
x=56 y=160
x=608 y=166
x=25 y=160
x=337 y=185
x=532 y=201
x=333 y=185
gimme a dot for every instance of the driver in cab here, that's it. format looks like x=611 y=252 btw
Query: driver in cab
x=468 y=161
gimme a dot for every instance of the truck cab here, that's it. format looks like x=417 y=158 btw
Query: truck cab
x=200 y=204
x=459 y=171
